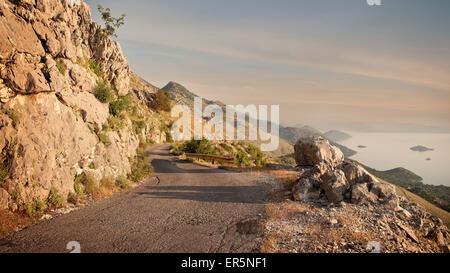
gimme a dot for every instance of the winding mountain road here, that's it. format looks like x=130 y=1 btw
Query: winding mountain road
x=192 y=209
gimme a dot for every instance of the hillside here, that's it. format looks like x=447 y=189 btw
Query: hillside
x=437 y=195
x=336 y=136
x=288 y=135
x=432 y=208
x=139 y=84
x=181 y=95
x=292 y=134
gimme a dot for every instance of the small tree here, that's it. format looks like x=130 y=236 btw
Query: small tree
x=111 y=23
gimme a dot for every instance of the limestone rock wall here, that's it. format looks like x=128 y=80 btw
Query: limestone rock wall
x=49 y=116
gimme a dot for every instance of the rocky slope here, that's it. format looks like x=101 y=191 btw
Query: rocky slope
x=358 y=201
x=55 y=65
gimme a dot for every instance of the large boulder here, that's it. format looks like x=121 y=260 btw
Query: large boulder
x=384 y=191
x=356 y=174
x=313 y=151
x=362 y=195
x=306 y=189
x=335 y=185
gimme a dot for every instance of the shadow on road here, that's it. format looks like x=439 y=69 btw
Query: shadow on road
x=227 y=194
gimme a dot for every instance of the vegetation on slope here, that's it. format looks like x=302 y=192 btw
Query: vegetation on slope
x=437 y=195
x=245 y=154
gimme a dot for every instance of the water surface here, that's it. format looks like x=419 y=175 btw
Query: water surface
x=386 y=151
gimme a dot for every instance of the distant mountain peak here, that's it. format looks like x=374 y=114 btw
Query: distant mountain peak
x=173 y=85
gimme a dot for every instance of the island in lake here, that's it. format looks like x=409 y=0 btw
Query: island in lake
x=362 y=146
x=421 y=148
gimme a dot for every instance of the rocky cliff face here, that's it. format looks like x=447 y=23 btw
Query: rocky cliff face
x=52 y=60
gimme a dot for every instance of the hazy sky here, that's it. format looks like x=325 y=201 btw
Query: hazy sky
x=327 y=63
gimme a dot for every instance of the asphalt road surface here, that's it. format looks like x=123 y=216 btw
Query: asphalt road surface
x=192 y=209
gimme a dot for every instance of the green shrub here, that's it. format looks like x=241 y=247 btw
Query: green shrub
x=73 y=198
x=123 y=103
x=95 y=67
x=241 y=158
x=103 y=92
x=55 y=199
x=162 y=101
x=111 y=23
x=62 y=68
x=140 y=168
x=3 y=174
x=196 y=147
x=226 y=147
x=256 y=155
x=169 y=137
x=123 y=182
x=35 y=208
x=78 y=186
x=85 y=184
x=116 y=123
x=90 y=64
x=177 y=150
x=104 y=139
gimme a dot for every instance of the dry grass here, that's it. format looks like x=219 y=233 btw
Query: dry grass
x=107 y=189
x=10 y=222
x=285 y=209
x=315 y=232
x=285 y=179
x=271 y=241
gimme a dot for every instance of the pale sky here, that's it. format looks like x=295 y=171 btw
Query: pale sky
x=331 y=64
